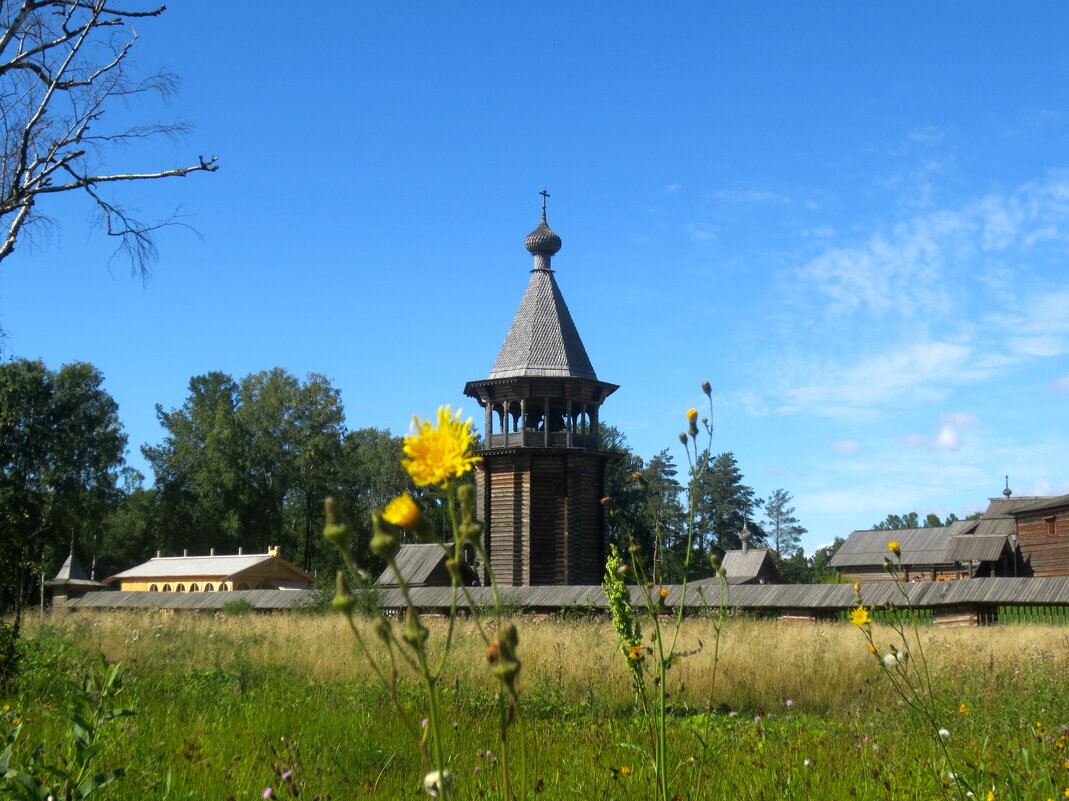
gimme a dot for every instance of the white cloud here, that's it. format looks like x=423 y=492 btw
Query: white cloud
x=845 y=446
x=1061 y=385
x=948 y=439
x=861 y=389
x=948 y=436
x=700 y=232
x=958 y=419
x=1043 y=487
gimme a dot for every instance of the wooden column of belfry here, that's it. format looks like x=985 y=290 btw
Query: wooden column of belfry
x=542 y=477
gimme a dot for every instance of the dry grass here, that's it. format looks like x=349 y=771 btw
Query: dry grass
x=822 y=668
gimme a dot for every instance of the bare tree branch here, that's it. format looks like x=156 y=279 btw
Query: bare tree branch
x=62 y=66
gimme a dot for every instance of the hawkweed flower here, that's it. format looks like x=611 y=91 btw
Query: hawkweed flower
x=894 y=547
x=635 y=653
x=692 y=418
x=860 y=616
x=625 y=770
x=438 y=453
x=663 y=593
x=401 y=511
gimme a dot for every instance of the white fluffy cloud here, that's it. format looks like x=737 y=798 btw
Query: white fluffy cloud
x=844 y=446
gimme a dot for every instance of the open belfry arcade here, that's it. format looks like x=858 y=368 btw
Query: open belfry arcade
x=542 y=476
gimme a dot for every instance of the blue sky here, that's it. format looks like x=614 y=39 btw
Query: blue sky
x=851 y=218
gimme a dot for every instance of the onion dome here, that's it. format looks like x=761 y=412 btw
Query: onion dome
x=542 y=239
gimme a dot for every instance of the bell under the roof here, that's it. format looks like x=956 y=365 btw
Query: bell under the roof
x=543 y=340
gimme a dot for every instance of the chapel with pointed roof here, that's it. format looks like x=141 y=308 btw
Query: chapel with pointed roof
x=540 y=483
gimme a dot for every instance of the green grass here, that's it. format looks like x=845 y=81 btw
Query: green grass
x=227 y=707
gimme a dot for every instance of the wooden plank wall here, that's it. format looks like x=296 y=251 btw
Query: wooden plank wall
x=1046 y=553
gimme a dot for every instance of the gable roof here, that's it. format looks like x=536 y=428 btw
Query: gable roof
x=222 y=568
x=961 y=541
x=742 y=566
x=543 y=340
x=998 y=517
x=1043 y=504
x=415 y=562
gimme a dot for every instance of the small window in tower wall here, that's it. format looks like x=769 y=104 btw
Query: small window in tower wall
x=1051 y=527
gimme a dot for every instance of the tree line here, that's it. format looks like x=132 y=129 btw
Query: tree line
x=247 y=464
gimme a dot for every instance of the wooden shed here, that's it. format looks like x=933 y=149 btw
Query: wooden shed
x=941 y=553
x=1043 y=535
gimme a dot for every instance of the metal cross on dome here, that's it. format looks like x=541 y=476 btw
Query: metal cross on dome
x=544 y=195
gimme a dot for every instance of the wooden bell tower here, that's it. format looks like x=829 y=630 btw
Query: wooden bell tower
x=540 y=484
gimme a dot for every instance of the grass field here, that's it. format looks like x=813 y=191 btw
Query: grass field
x=226 y=705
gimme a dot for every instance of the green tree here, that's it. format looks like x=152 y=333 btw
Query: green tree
x=781 y=526
x=61 y=449
x=628 y=501
x=913 y=520
x=247 y=464
x=722 y=504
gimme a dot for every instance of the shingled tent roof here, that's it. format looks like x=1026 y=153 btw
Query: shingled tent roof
x=543 y=340
x=741 y=567
x=72 y=574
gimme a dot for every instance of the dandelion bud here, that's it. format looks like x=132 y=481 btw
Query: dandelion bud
x=714 y=561
x=415 y=634
x=624 y=570
x=343 y=601
x=887 y=565
x=335 y=531
x=683 y=438
x=706 y=388
x=384 y=542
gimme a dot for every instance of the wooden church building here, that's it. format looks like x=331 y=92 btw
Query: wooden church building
x=540 y=483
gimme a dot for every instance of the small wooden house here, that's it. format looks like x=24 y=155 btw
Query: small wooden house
x=1042 y=527
x=747 y=566
x=260 y=571
x=71 y=582
x=961 y=550
x=423 y=565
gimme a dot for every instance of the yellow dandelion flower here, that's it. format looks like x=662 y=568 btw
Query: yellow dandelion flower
x=990 y=795
x=692 y=416
x=963 y=709
x=439 y=453
x=872 y=648
x=7 y=707
x=1067 y=764
x=16 y=721
x=626 y=771
x=1067 y=792
x=401 y=511
x=860 y=616
x=857 y=587
x=636 y=653
x=664 y=592
x=894 y=547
